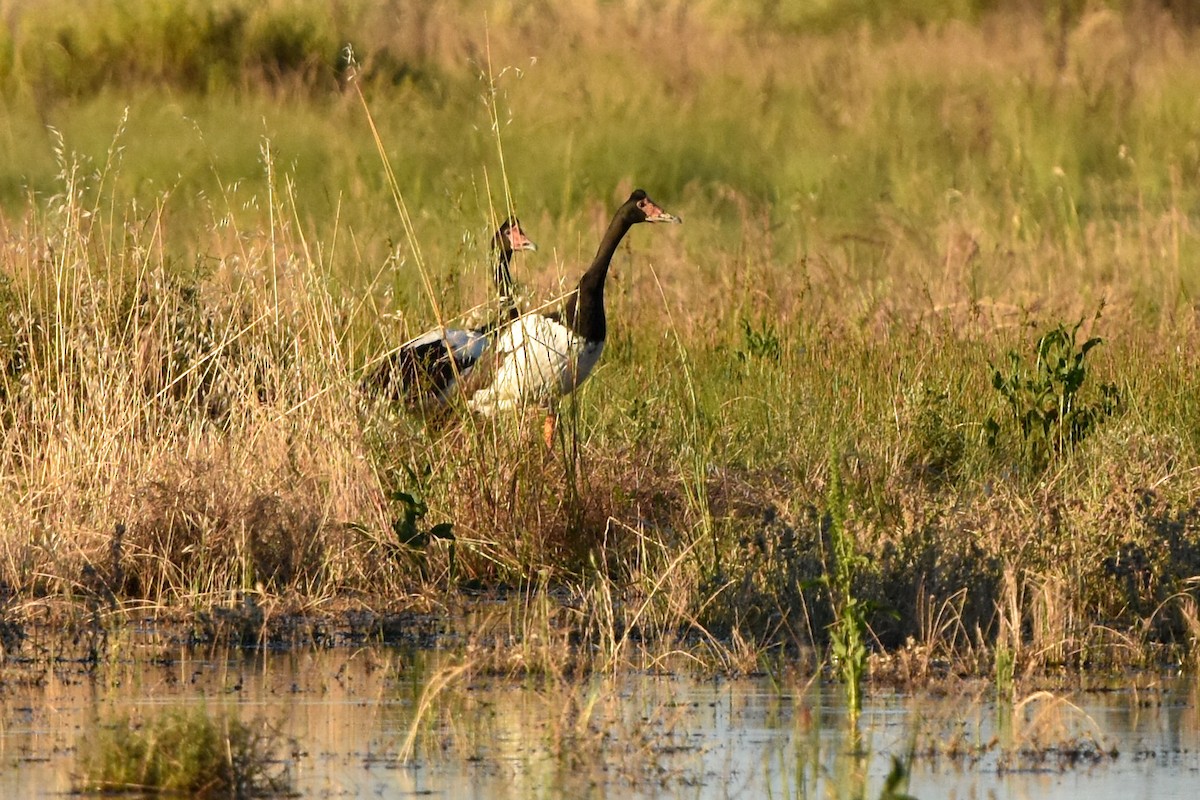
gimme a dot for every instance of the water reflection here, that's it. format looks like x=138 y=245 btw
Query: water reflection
x=351 y=717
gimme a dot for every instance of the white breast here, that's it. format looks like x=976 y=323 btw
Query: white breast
x=539 y=360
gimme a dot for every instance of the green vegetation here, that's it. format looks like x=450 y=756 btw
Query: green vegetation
x=1045 y=400
x=202 y=255
x=848 y=632
x=183 y=753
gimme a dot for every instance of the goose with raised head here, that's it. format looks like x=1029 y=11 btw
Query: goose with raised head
x=542 y=357
x=426 y=369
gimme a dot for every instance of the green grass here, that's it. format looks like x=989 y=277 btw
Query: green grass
x=875 y=213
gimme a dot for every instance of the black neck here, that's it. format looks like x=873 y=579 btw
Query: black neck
x=503 y=280
x=504 y=287
x=585 y=308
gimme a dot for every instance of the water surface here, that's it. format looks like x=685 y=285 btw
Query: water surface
x=346 y=720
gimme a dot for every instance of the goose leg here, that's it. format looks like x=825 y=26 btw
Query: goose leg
x=548 y=428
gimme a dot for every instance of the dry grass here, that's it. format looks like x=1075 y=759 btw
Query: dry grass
x=202 y=418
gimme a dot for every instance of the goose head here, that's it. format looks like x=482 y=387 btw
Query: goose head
x=511 y=237
x=640 y=208
x=508 y=239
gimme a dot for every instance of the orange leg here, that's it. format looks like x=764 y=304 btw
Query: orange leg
x=548 y=428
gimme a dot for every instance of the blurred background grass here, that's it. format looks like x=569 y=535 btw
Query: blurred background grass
x=874 y=136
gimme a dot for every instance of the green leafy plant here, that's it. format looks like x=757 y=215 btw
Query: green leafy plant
x=896 y=782
x=413 y=535
x=1005 y=670
x=847 y=633
x=409 y=527
x=759 y=343
x=1048 y=409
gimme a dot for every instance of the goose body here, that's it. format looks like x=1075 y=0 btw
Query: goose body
x=431 y=365
x=426 y=369
x=540 y=359
x=543 y=357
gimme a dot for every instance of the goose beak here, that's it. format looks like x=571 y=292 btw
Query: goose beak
x=655 y=213
x=519 y=241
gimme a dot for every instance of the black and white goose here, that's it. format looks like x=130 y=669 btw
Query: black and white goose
x=425 y=370
x=543 y=357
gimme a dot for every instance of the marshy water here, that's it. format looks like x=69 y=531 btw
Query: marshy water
x=344 y=722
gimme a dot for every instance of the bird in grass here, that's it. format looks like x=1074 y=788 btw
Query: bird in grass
x=425 y=370
x=542 y=357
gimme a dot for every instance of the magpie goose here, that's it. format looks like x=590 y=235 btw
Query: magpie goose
x=426 y=369
x=542 y=357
